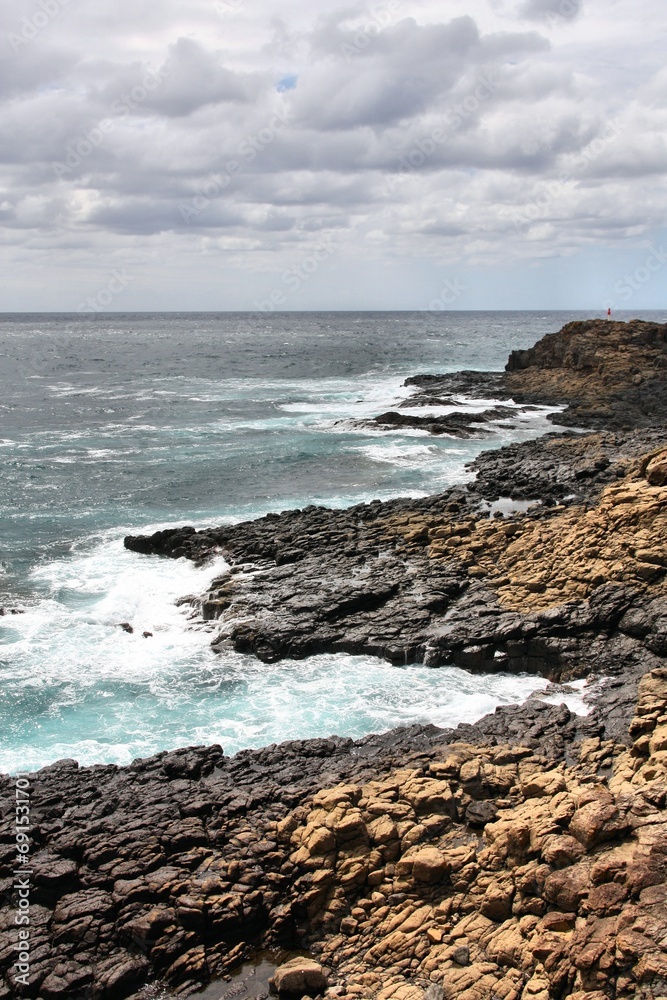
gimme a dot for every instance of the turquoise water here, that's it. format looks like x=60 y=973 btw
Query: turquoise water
x=123 y=423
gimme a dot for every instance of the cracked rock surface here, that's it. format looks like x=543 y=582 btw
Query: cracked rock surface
x=523 y=857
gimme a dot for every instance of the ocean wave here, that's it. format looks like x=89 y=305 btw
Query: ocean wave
x=404 y=455
x=240 y=703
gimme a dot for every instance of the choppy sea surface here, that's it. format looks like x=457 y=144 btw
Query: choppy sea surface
x=119 y=423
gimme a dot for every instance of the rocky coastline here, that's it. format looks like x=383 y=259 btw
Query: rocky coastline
x=523 y=857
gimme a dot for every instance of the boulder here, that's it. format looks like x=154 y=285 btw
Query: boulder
x=299 y=976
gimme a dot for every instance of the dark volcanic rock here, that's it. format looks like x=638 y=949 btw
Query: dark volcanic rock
x=608 y=374
x=456 y=424
x=180 y=864
x=422 y=856
x=445 y=388
x=557 y=466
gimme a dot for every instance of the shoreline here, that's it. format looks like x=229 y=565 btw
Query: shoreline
x=526 y=841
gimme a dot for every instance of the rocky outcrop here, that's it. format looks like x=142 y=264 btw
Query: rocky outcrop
x=608 y=374
x=523 y=857
x=546 y=561
x=601 y=374
x=490 y=872
x=459 y=424
x=562 y=468
x=556 y=590
x=527 y=864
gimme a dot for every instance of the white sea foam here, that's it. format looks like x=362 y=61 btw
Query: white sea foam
x=149 y=703
x=572 y=694
x=68 y=665
x=74 y=628
x=408 y=456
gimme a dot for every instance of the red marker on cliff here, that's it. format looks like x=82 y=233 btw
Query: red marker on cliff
x=609 y=313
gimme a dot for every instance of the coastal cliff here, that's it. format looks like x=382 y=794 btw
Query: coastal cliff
x=608 y=374
x=522 y=857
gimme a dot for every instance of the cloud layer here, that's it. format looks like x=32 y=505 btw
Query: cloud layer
x=220 y=141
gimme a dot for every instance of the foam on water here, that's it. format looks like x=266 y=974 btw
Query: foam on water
x=76 y=685
x=409 y=456
x=572 y=694
x=120 y=698
x=122 y=424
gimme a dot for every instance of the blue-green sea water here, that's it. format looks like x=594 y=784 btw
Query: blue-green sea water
x=118 y=423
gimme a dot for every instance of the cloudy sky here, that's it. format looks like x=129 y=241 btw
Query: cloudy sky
x=403 y=154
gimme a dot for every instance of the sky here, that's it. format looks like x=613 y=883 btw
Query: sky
x=404 y=154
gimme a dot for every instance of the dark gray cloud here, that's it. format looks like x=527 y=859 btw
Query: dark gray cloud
x=189 y=78
x=398 y=74
x=36 y=70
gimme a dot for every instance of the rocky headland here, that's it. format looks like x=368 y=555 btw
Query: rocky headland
x=523 y=857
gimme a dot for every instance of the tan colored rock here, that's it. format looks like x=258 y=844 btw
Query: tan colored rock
x=383 y=830
x=429 y=794
x=510 y=836
x=350 y=827
x=496 y=904
x=562 y=850
x=507 y=944
x=566 y=888
x=656 y=470
x=537 y=988
x=547 y=783
x=658 y=740
x=190 y=967
x=607 y=898
x=426 y=865
x=516 y=916
x=624 y=539
x=299 y=976
x=418 y=920
x=328 y=798
x=596 y=821
x=400 y=991
x=558 y=922
x=320 y=841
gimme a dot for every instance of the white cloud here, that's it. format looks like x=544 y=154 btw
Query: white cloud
x=218 y=135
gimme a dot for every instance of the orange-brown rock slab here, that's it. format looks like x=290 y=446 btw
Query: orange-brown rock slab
x=565 y=893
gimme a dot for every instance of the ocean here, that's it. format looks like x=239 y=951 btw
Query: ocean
x=123 y=423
